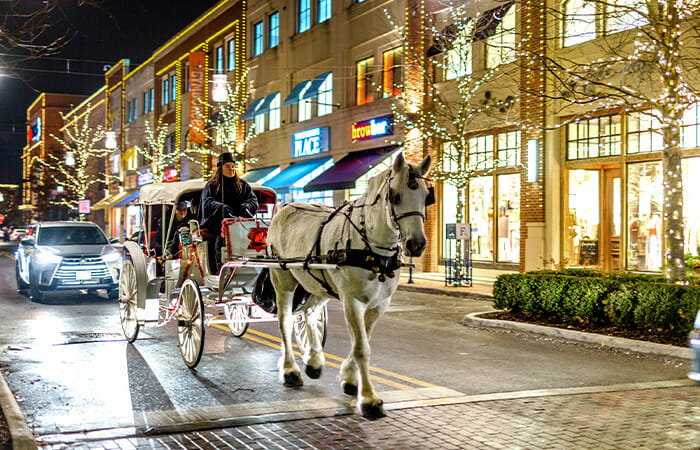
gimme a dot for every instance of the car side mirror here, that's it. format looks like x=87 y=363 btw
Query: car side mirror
x=29 y=242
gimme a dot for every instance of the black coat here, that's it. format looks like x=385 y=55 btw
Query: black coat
x=234 y=193
x=173 y=241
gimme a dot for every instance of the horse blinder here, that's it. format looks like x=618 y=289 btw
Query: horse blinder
x=430 y=199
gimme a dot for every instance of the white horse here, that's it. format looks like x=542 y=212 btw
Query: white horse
x=370 y=233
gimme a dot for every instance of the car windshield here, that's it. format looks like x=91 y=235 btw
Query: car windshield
x=71 y=236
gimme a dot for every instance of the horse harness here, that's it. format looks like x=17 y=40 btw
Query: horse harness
x=382 y=266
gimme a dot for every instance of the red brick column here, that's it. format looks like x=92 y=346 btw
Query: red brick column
x=532 y=120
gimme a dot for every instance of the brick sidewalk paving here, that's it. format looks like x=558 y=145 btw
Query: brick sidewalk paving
x=649 y=418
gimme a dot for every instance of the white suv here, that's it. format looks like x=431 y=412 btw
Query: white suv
x=61 y=256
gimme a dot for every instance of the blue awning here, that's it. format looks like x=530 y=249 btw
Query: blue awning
x=312 y=91
x=129 y=198
x=351 y=167
x=250 y=112
x=295 y=172
x=255 y=175
x=294 y=96
x=264 y=107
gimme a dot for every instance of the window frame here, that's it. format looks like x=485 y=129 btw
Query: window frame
x=363 y=81
x=219 y=59
x=273 y=30
x=231 y=54
x=258 y=38
x=323 y=6
x=392 y=76
x=165 y=91
x=303 y=16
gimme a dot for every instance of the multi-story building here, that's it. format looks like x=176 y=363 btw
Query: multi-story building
x=43 y=120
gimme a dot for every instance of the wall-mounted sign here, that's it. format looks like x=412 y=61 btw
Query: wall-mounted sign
x=198 y=80
x=84 y=206
x=372 y=128
x=145 y=178
x=311 y=142
x=34 y=133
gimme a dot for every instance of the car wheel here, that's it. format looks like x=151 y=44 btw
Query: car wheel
x=113 y=294
x=21 y=285
x=35 y=292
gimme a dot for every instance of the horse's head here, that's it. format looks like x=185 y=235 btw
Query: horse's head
x=408 y=196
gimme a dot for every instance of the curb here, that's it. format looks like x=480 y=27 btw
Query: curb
x=20 y=435
x=648 y=348
x=447 y=292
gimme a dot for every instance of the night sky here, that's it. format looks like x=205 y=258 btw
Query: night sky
x=118 y=29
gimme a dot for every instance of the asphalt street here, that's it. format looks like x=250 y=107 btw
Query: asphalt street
x=72 y=372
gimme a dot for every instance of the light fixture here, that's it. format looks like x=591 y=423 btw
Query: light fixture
x=219 y=92
x=111 y=140
x=70 y=160
x=532 y=160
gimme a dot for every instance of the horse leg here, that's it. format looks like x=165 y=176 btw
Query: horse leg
x=370 y=404
x=313 y=355
x=348 y=370
x=284 y=284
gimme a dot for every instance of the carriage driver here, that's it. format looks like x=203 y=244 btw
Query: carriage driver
x=224 y=196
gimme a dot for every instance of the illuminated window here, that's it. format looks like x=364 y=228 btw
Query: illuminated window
x=508 y=222
x=593 y=138
x=274 y=29
x=624 y=15
x=173 y=88
x=151 y=102
x=458 y=59
x=165 y=92
x=275 y=112
x=392 y=72
x=579 y=21
x=259 y=123
x=131 y=159
x=304 y=17
x=324 y=10
x=481 y=217
x=643 y=133
x=508 y=148
x=364 y=91
x=690 y=132
x=145 y=102
x=219 y=59
x=231 y=55
x=258 y=38
x=134 y=109
x=481 y=152
x=500 y=48
x=304 y=106
x=325 y=96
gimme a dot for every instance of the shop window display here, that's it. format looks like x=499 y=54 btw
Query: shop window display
x=509 y=218
x=690 y=134
x=691 y=204
x=594 y=138
x=508 y=148
x=481 y=217
x=645 y=212
x=583 y=219
x=643 y=133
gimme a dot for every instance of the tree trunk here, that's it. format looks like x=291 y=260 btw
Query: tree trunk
x=673 y=203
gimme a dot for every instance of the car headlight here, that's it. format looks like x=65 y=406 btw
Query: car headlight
x=112 y=258
x=44 y=257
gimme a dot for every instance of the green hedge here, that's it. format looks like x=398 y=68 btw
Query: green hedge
x=623 y=299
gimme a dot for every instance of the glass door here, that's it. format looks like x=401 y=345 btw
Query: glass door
x=612 y=220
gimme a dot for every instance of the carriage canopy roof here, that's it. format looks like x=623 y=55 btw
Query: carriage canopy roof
x=169 y=193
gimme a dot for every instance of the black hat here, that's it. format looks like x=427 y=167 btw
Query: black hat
x=182 y=205
x=224 y=158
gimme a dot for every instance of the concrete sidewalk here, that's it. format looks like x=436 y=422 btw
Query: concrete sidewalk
x=433 y=283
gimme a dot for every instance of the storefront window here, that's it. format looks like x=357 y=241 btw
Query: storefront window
x=481 y=217
x=593 y=138
x=691 y=204
x=508 y=148
x=584 y=212
x=361 y=183
x=645 y=211
x=481 y=152
x=449 y=215
x=509 y=218
x=643 y=133
x=690 y=134
x=133 y=219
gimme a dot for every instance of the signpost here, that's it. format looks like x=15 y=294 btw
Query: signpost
x=84 y=206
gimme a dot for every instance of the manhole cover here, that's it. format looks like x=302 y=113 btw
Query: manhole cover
x=85 y=338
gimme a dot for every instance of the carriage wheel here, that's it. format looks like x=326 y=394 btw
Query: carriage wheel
x=127 y=301
x=300 y=331
x=237 y=315
x=190 y=323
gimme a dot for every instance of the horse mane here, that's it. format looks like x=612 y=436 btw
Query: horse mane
x=375 y=184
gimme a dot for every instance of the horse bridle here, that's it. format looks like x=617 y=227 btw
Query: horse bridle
x=413 y=185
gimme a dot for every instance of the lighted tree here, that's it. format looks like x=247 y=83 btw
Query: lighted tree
x=458 y=100
x=82 y=144
x=158 y=153
x=648 y=62
x=225 y=130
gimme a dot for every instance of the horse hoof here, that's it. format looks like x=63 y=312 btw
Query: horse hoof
x=292 y=379
x=373 y=412
x=313 y=373
x=350 y=389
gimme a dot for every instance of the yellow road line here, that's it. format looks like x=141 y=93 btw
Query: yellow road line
x=9 y=255
x=377 y=379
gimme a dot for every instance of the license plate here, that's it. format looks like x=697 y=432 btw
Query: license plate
x=83 y=275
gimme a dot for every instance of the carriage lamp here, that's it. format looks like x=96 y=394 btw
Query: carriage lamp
x=111 y=140
x=219 y=92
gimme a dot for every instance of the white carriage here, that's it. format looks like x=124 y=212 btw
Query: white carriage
x=154 y=291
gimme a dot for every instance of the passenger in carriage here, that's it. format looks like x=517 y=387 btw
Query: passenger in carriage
x=172 y=243
x=224 y=196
